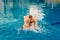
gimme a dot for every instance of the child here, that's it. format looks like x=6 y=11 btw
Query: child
x=29 y=21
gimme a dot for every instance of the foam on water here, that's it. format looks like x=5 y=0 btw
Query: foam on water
x=31 y=29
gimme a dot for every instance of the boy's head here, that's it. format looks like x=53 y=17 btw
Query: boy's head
x=30 y=16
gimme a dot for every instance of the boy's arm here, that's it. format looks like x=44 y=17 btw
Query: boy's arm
x=36 y=24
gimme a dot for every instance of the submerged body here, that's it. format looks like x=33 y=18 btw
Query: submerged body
x=30 y=22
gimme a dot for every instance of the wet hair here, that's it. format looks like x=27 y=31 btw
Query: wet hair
x=30 y=16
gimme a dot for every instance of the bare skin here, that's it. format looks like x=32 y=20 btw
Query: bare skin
x=29 y=21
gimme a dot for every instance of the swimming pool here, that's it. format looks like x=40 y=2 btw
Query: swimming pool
x=48 y=21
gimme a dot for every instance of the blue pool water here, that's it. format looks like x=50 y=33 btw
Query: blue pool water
x=11 y=29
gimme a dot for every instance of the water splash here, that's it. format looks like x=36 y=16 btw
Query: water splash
x=31 y=29
x=36 y=11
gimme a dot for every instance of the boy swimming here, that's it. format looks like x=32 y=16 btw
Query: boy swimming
x=30 y=22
